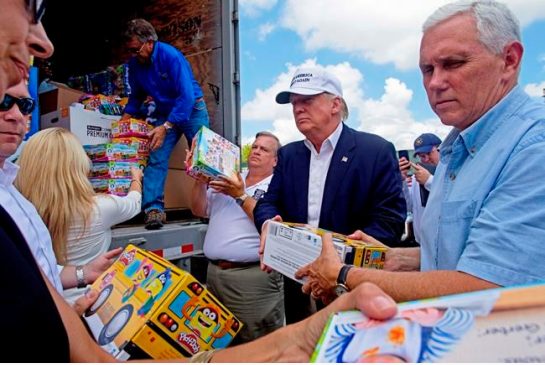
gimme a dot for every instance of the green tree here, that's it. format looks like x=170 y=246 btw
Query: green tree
x=245 y=154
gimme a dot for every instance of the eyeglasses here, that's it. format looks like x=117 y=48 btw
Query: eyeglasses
x=26 y=105
x=135 y=50
x=36 y=9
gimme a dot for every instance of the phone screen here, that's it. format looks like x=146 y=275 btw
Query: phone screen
x=403 y=153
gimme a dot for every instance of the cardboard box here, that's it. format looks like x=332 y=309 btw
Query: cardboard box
x=91 y=127
x=104 y=152
x=119 y=187
x=489 y=326
x=149 y=308
x=214 y=155
x=290 y=246
x=61 y=97
x=178 y=189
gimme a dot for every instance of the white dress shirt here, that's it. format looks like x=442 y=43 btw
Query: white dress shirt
x=319 y=165
x=30 y=224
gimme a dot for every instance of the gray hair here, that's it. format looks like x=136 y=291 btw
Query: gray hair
x=496 y=24
x=269 y=134
x=141 y=30
x=344 y=110
x=344 y=106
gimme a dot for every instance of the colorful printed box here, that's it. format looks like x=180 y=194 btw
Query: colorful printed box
x=113 y=169
x=140 y=143
x=149 y=308
x=119 y=187
x=130 y=128
x=213 y=155
x=490 y=326
x=290 y=246
x=110 y=152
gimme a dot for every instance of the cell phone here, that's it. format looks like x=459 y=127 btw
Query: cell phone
x=403 y=153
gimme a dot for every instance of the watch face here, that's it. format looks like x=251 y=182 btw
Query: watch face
x=340 y=289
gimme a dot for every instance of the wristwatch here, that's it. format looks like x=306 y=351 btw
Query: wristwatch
x=167 y=125
x=341 y=287
x=240 y=200
x=80 y=277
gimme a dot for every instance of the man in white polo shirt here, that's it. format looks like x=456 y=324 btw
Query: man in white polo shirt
x=232 y=243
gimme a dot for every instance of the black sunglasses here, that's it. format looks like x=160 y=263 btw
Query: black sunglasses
x=26 y=105
x=36 y=9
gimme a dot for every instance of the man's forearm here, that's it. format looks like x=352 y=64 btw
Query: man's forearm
x=248 y=207
x=406 y=286
x=270 y=348
x=403 y=259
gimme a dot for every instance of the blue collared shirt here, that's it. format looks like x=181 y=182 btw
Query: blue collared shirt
x=168 y=79
x=486 y=211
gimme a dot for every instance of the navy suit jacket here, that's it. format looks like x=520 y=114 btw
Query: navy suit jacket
x=363 y=188
x=26 y=301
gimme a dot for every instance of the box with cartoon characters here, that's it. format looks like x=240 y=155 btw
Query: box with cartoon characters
x=149 y=308
x=489 y=326
x=213 y=155
x=290 y=246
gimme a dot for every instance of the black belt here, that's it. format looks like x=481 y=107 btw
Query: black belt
x=226 y=265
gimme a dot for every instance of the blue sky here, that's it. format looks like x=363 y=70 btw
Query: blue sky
x=371 y=46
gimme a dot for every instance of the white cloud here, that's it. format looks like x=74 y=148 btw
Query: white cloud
x=371 y=29
x=388 y=116
x=249 y=55
x=535 y=90
x=265 y=30
x=254 y=8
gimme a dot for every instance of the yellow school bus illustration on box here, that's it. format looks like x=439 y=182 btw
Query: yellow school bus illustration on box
x=149 y=308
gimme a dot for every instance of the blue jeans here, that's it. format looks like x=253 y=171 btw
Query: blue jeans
x=155 y=174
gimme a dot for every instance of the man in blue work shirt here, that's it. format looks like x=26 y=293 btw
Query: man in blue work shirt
x=161 y=71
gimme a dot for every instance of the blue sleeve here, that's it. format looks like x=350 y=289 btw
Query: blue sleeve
x=268 y=206
x=137 y=96
x=505 y=242
x=183 y=83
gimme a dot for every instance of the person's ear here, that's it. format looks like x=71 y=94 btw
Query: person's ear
x=336 y=105
x=512 y=57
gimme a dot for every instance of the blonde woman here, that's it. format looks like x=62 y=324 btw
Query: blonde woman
x=53 y=176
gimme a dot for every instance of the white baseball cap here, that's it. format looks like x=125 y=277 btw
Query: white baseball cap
x=311 y=81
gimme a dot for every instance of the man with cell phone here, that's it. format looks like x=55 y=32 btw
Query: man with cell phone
x=418 y=184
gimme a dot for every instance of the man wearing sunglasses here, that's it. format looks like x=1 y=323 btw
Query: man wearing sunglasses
x=161 y=71
x=15 y=110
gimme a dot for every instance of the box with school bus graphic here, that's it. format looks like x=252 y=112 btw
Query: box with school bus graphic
x=149 y=308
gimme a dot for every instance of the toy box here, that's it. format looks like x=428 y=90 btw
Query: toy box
x=213 y=155
x=119 y=187
x=130 y=128
x=140 y=143
x=498 y=325
x=149 y=308
x=113 y=169
x=290 y=246
x=110 y=152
